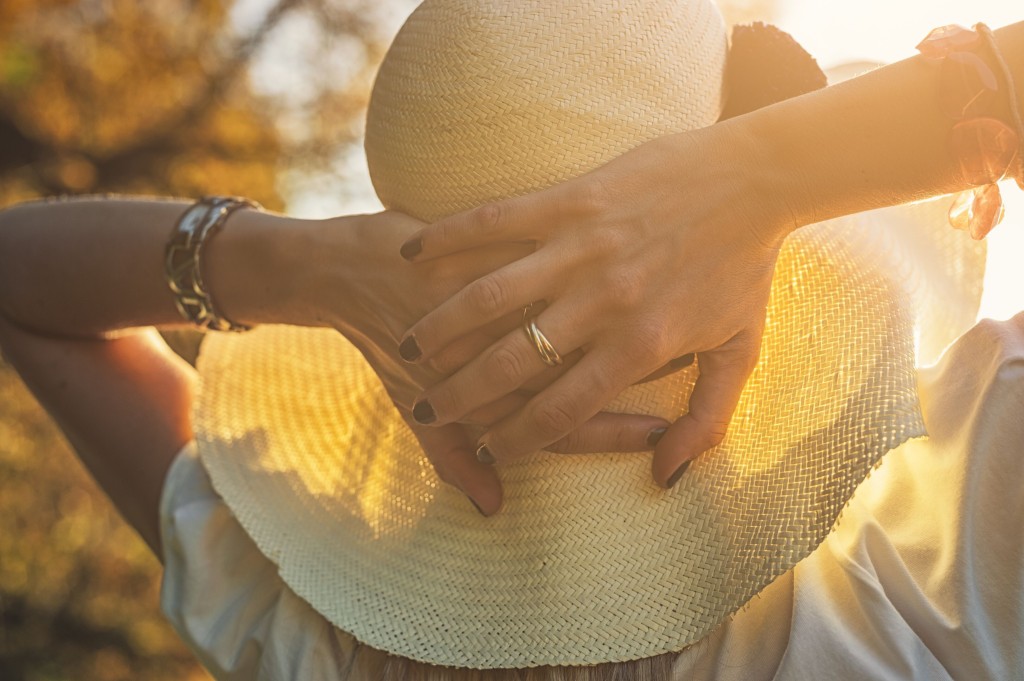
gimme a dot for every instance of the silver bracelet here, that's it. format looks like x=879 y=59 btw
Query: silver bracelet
x=183 y=260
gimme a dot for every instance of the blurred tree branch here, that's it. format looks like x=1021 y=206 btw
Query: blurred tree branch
x=161 y=137
x=131 y=97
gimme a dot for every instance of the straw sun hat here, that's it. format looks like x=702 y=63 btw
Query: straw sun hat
x=588 y=561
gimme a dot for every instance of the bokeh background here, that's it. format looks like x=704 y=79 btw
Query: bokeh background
x=262 y=98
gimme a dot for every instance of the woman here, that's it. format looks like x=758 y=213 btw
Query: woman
x=221 y=590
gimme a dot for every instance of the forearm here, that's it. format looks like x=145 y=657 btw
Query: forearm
x=72 y=272
x=876 y=140
x=88 y=267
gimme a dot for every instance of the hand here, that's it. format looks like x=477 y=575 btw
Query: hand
x=360 y=286
x=667 y=250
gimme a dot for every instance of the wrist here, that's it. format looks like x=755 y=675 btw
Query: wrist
x=773 y=182
x=781 y=170
x=256 y=268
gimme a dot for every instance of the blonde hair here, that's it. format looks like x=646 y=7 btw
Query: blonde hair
x=370 y=664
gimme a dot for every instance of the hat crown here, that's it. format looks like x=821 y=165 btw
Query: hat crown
x=478 y=101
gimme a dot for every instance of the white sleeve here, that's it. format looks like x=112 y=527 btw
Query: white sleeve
x=968 y=487
x=225 y=598
x=923 y=578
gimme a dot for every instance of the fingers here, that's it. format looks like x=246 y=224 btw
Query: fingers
x=466 y=349
x=607 y=432
x=486 y=417
x=498 y=371
x=560 y=409
x=507 y=290
x=462 y=351
x=513 y=219
x=453 y=455
x=723 y=373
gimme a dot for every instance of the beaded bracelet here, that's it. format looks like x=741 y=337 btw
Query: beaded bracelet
x=182 y=260
x=985 y=147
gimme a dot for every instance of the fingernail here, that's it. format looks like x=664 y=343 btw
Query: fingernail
x=409 y=350
x=675 y=476
x=483 y=455
x=411 y=248
x=654 y=437
x=424 y=413
x=682 y=362
x=476 y=505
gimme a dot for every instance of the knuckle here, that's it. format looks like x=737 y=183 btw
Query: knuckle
x=445 y=362
x=605 y=381
x=607 y=240
x=625 y=285
x=487 y=216
x=440 y=234
x=716 y=433
x=650 y=342
x=445 y=276
x=506 y=366
x=592 y=197
x=483 y=417
x=712 y=430
x=447 y=403
x=554 y=417
x=488 y=295
x=571 y=443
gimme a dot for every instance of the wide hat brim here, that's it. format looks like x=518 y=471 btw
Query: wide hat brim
x=588 y=561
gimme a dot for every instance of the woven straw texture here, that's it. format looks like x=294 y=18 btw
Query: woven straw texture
x=588 y=561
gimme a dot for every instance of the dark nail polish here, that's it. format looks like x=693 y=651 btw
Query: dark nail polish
x=423 y=413
x=654 y=437
x=682 y=362
x=412 y=248
x=409 y=350
x=476 y=505
x=678 y=474
x=483 y=455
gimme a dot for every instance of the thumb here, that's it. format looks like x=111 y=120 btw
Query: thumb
x=453 y=455
x=723 y=373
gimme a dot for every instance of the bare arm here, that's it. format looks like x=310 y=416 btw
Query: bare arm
x=610 y=242
x=82 y=288
x=124 y=405
x=876 y=140
x=81 y=285
x=87 y=267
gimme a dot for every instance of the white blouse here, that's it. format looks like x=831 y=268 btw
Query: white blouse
x=923 y=577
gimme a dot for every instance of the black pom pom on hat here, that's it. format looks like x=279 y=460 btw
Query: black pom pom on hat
x=767 y=65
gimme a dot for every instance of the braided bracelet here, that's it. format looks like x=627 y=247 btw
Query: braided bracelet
x=183 y=260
